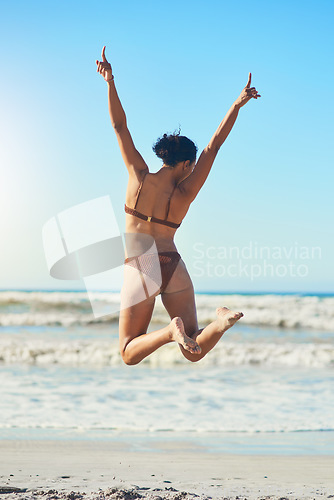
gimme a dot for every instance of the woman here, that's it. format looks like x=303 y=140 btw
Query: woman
x=155 y=207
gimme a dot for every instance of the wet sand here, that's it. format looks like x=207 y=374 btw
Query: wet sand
x=96 y=469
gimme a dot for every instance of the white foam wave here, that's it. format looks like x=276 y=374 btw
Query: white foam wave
x=73 y=308
x=54 y=319
x=284 y=311
x=106 y=353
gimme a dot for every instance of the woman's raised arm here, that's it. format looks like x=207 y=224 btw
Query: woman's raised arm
x=193 y=183
x=132 y=158
x=226 y=125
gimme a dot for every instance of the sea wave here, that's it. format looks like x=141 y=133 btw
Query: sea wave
x=182 y=431
x=20 y=308
x=283 y=311
x=106 y=353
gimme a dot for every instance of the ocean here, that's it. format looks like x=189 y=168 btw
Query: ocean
x=267 y=387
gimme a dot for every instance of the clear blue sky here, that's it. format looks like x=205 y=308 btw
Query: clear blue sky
x=175 y=63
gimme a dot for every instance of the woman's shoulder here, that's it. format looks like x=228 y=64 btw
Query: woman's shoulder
x=136 y=175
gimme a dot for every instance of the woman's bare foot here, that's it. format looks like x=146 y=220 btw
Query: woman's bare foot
x=226 y=318
x=178 y=335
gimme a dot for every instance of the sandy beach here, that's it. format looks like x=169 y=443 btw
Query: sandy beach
x=252 y=420
x=95 y=469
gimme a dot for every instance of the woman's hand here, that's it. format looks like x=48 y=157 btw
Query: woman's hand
x=104 y=67
x=247 y=94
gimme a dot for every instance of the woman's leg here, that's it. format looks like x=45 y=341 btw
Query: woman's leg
x=181 y=302
x=135 y=343
x=206 y=338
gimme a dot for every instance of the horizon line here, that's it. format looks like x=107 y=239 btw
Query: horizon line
x=199 y=292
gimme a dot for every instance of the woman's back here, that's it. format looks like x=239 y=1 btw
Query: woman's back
x=155 y=204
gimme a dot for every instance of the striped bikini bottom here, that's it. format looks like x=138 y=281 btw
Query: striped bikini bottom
x=159 y=267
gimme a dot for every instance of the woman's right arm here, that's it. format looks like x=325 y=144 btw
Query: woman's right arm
x=193 y=183
x=132 y=158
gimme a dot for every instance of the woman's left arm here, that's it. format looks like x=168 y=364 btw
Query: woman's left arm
x=226 y=125
x=193 y=183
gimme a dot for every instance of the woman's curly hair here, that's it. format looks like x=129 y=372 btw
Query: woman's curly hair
x=173 y=148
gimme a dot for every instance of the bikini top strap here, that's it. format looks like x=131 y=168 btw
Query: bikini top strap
x=139 y=190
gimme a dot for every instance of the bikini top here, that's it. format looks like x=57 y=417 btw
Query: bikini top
x=133 y=211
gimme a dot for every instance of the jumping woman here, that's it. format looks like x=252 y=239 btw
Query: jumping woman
x=156 y=204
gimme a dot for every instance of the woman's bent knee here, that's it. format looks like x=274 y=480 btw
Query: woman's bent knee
x=128 y=359
x=192 y=357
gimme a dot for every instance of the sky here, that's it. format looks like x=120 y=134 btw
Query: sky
x=263 y=220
